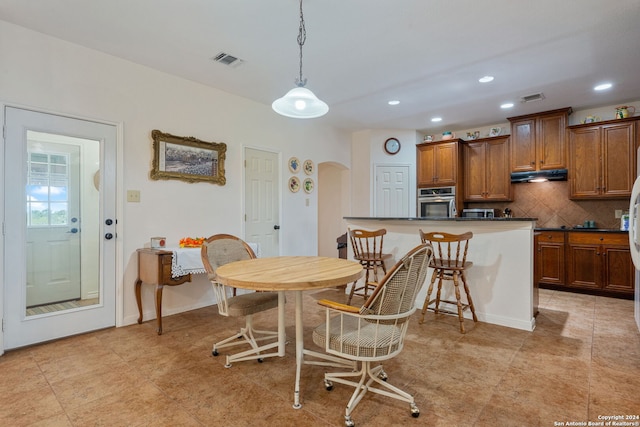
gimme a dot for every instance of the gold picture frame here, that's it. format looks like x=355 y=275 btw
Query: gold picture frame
x=187 y=159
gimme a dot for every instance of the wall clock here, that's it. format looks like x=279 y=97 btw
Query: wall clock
x=392 y=146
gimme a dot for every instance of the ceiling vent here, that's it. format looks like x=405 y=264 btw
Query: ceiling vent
x=531 y=98
x=226 y=59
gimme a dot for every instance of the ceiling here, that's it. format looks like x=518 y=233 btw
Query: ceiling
x=360 y=54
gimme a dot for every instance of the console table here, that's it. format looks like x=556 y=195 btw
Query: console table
x=154 y=268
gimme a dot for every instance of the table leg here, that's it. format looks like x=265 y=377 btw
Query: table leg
x=282 y=334
x=139 y=299
x=159 y=307
x=299 y=349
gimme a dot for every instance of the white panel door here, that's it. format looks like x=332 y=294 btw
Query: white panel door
x=73 y=225
x=392 y=191
x=262 y=200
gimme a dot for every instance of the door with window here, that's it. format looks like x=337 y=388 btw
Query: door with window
x=59 y=246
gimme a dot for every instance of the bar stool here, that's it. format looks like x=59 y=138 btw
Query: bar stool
x=367 y=249
x=449 y=263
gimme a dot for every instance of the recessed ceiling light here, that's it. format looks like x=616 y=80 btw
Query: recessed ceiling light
x=394 y=102
x=436 y=119
x=507 y=105
x=485 y=79
x=603 y=86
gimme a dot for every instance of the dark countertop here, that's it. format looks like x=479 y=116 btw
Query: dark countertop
x=438 y=219
x=590 y=230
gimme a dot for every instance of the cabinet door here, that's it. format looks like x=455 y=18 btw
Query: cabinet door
x=446 y=163
x=498 y=180
x=550 y=263
x=618 y=269
x=617 y=159
x=523 y=146
x=584 y=162
x=584 y=264
x=474 y=171
x=550 y=142
x=426 y=166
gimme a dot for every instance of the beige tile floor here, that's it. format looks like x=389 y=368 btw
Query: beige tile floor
x=581 y=362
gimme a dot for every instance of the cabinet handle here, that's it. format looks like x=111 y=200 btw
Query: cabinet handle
x=533 y=162
x=541 y=162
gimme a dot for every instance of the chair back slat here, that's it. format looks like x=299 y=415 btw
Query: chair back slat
x=367 y=244
x=450 y=249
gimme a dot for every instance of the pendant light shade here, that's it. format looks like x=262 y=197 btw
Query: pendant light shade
x=300 y=102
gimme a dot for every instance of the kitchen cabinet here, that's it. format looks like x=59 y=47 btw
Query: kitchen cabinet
x=486 y=170
x=601 y=159
x=438 y=163
x=587 y=261
x=600 y=261
x=538 y=141
x=549 y=258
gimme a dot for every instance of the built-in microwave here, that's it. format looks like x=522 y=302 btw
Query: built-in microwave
x=480 y=213
x=437 y=202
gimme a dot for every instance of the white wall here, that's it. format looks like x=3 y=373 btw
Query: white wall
x=367 y=152
x=45 y=73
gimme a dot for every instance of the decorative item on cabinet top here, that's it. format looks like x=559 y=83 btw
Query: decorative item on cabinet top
x=495 y=131
x=625 y=111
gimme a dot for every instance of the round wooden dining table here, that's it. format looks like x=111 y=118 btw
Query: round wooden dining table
x=290 y=273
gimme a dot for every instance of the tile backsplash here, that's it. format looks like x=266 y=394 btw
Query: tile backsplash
x=549 y=202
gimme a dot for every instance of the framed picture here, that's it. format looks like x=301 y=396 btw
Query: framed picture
x=187 y=159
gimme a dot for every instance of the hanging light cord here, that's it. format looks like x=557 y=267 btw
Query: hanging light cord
x=302 y=37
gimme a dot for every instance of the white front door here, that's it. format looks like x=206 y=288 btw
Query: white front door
x=392 y=191
x=60 y=226
x=262 y=200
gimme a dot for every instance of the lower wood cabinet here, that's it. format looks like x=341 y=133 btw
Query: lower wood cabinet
x=588 y=261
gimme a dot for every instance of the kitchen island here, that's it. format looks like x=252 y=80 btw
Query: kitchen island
x=501 y=279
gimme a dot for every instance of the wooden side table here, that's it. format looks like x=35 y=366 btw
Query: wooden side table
x=154 y=268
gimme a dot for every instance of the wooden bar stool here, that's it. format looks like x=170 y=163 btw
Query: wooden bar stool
x=367 y=249
x=449 y=263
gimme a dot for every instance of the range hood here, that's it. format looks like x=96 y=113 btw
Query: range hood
x=539 y=176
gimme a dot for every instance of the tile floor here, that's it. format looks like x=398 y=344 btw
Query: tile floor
x=581 y=362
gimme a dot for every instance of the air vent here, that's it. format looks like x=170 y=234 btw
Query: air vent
x=226 y=59
x=533 y=97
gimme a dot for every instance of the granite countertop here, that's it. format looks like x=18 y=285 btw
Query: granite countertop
x=436 y=219
x=589 y=230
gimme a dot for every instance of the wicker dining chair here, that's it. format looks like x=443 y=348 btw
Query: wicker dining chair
x=222 y=249
x=375 y=331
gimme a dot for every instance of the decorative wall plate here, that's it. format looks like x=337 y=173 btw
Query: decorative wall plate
x=308 y=167
x=308 y=185
x=294 y=165
x=294 y=184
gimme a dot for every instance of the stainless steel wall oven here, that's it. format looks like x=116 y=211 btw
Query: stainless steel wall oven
x=437 y=202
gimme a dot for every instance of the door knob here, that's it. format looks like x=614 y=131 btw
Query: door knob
x=73 y=230
x=276 y=227
x=108 y=221
x=108 y=236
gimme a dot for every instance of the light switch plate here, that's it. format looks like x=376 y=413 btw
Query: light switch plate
x=618 y=213
x=133 y=196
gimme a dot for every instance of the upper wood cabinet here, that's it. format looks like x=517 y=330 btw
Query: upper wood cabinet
x=486 y=170
x=538 y=141
x=601 y=159
x=438 y=163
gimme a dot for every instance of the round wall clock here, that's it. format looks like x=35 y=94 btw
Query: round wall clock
x=392 y=146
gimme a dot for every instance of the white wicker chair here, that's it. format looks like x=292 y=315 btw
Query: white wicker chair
x=222 y=249
x=375 y=331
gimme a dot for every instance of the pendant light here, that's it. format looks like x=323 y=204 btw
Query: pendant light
x=300 y=102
